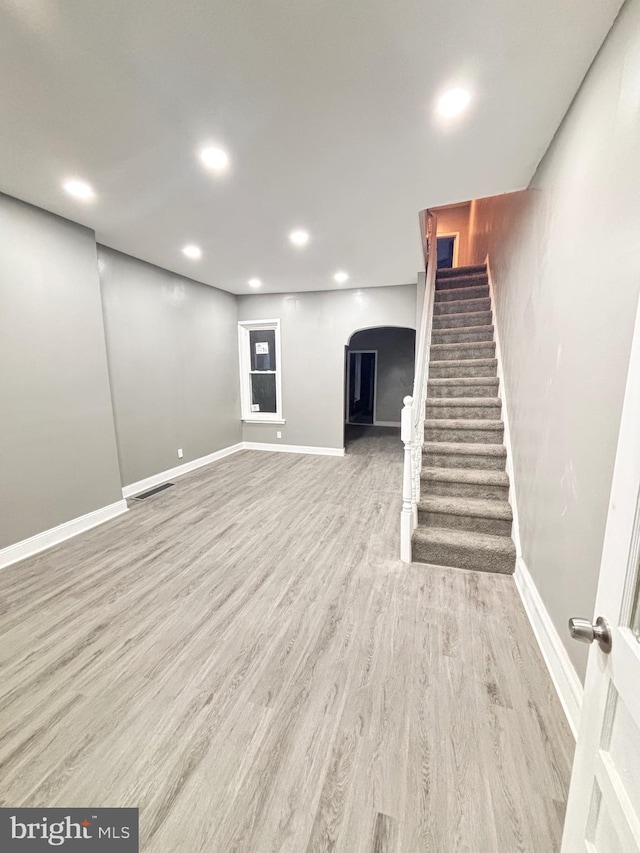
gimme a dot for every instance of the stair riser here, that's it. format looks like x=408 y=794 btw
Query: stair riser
x=471 y=523
x=464 y=436
x=486 y=349
x=461 y=371
x=484 y=491
x=464 y=306
x=461 y=282
x=461 y=558
x=486 y=413
x=478 y=291
x=451 y=321
x=453 y=391
x=470 y=336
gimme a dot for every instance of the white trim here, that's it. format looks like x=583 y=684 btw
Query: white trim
x=293 y=448
x=253 y=421
x=563 y=674
x=55 y=535
x=162 y=477
x=244 y=364
x=565 y=679
x=384 y=423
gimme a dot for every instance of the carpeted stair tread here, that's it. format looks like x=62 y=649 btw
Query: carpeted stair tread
x=452 y=392
x=455 y=272
x=462 y=423
x=462 y=306
x=465 y=408
x=461 y=330
x=477 y=507
x=466 y=319
x=450 y=381
x=464 y=449
x=455 y=294
x=474 y=279
x=445 y=402
x=463 y=362
x=443 y=454
x=477 y=476
x=464 y=368
x=462 y=334
x=468 y=411
x=462 y=351
x=464 y=430
x=499 y=544
x=468 y=514
x=482 y=552
x=450 y=346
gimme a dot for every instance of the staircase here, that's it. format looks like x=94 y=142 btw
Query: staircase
x=464 y=517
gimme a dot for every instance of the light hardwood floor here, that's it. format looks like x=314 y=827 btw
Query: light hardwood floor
x=244 y=658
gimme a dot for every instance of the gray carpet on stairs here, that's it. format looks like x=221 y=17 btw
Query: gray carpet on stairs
x=464 y=517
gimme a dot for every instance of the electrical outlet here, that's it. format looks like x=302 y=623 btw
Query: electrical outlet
x=180 y=453
x=278 y=434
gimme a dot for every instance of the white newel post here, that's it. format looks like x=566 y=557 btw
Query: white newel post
x=406 y=516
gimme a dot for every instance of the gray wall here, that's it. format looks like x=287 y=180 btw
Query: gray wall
x=173 y=360
x=58 y=455
x=394 y=369
x=565 y=259
x=315 y=329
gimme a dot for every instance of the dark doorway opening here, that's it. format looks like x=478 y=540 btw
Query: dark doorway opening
x=361 y=396
x=446 y=252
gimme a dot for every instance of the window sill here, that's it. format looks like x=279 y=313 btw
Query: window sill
x=263 y=421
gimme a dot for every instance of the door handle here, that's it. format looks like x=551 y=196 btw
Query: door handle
x=585 y=631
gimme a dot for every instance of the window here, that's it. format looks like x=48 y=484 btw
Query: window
x=260 y=380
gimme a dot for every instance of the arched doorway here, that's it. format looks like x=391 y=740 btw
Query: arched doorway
x=379 y=367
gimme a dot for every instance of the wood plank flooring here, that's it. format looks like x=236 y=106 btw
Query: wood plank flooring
x=245 y=659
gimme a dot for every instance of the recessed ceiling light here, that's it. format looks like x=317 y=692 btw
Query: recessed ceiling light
x=341 y=277
x=453 y=102
x=255 y=282
x=79 y=189
x=215 y=158
x=193 y=252
x=299 y=237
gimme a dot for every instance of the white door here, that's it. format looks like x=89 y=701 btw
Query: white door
x=603 y=812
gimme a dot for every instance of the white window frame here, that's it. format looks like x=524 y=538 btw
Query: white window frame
x=244 y=353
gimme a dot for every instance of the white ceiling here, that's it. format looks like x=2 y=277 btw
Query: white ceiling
x=325 y=106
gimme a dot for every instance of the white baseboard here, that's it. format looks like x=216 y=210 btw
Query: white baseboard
x=171 y=473
x=41 y=541
x=565 y=679
x=48 y=538
x=293 y=448
x=387 y=423
x=178 y=471
x=502 y=393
